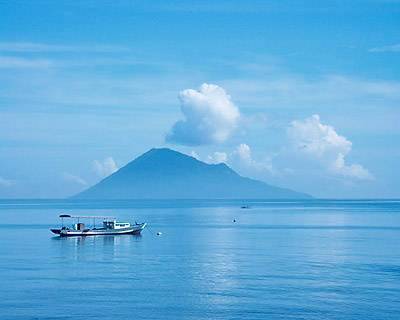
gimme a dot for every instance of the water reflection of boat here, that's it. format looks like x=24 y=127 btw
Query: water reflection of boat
x=109 y=227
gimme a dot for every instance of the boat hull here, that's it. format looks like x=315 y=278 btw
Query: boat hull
x=55 y=231
x=136 y=229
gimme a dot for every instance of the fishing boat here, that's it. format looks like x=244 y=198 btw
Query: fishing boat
x=110 y=226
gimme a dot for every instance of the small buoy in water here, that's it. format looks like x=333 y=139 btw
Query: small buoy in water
x=234 y=220
x=159 y=233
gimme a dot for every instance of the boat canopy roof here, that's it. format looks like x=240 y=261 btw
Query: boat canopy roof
x=86 y=217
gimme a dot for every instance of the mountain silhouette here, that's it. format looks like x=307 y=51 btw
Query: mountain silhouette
x=168 y=174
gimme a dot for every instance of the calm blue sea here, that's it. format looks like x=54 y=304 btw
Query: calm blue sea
x=279 y=260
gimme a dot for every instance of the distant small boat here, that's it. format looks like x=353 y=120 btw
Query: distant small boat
x=109 y=227
x=245 y=206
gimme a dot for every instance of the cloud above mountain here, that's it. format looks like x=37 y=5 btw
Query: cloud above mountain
x=242 y=159
x=104 y=168
x=210 y=117
x=320 y=142
x=217 y=157
x=74 y=179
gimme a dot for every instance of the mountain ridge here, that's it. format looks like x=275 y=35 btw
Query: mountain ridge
x=162 y=173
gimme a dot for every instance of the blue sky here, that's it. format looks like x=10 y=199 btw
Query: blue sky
x=301 y=94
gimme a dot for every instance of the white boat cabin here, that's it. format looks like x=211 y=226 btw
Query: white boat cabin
x=115 y=225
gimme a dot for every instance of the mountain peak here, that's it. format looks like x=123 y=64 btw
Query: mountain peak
x=163 y=153
x=163 y=173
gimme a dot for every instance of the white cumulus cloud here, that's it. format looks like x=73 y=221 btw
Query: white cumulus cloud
x=243 y=158
x=243 y=152
x=74 y=179
x=322 y=143
x=194 y=154
x=218 y=157
x=104 y=168
x=352 y=170
x=209 y=117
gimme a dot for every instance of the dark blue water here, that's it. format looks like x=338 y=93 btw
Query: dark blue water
x=279 y=260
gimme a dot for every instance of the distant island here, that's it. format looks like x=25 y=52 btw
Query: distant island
x=168 y=174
